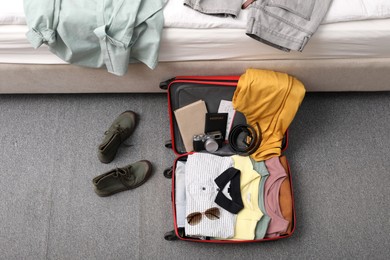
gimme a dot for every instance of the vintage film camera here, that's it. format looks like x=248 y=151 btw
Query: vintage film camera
x=210 y=142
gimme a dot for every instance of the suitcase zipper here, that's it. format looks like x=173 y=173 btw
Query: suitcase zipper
x=210 y=78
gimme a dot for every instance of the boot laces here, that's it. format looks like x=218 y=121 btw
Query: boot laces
x=124 y=172
x=117 y=130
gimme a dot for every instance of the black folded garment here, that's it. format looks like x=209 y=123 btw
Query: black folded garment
x=234 y=205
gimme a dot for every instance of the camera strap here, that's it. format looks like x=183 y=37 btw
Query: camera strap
x=244 y=140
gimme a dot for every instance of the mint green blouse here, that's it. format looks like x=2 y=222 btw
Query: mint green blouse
x=263 y=223
x=96 y=33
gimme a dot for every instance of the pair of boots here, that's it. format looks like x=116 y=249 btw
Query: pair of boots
x=127 y=177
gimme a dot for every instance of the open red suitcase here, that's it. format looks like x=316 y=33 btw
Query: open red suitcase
x=182 y=91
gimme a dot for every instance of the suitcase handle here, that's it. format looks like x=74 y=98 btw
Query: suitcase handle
x=164 y=84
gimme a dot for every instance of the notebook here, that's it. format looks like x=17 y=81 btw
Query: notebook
x=191 y=121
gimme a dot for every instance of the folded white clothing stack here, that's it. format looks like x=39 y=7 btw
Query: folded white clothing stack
x=201 y=191
x=180 y=193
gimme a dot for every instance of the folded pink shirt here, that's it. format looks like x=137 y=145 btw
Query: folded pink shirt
x=277 y=175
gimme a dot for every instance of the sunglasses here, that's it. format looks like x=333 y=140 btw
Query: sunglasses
x=196 y=217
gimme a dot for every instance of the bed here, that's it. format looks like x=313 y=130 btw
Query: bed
x=349 y=52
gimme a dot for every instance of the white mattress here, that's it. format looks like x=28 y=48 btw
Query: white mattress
x=368 y=39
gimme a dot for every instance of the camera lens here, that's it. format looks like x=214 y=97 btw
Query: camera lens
x=211 y=145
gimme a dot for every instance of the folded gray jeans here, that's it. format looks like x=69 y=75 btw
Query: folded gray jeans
x=285 y=24
x=216 y=7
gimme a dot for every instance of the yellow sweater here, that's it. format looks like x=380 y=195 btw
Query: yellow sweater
x=270 y=99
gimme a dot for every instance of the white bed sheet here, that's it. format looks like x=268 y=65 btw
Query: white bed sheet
x=15 y=48
x=179 y=16
x=360 y=39
x=12 y=12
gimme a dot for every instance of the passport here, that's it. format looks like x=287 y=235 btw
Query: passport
x=216 y=122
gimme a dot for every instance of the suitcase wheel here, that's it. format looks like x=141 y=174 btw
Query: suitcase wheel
x=168 y=172
x=170 y=236
x=168 y=144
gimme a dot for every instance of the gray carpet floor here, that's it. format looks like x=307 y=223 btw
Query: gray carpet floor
x=339 y=154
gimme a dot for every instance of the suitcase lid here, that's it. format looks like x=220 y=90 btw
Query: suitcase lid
x=184 y=90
